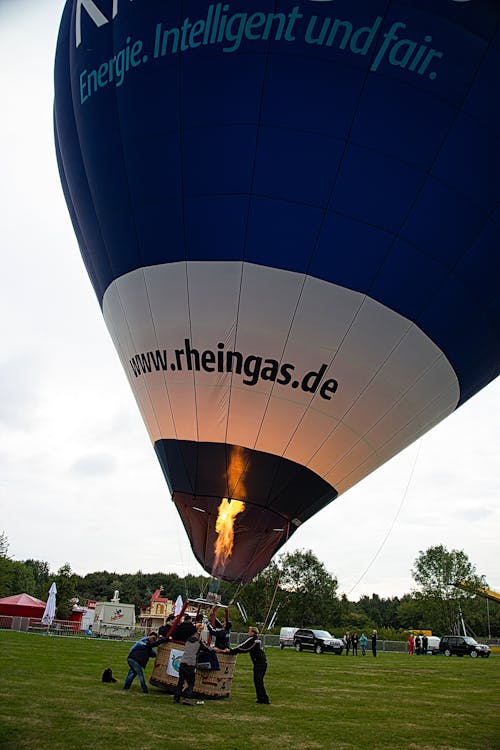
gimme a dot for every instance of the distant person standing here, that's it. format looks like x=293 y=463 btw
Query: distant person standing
x=411 y=645
x=425 y=641
x=363 y=640
x=347 y=642
x=374 y=643
x=354 y=644
x=417 y=645
x=253 y=646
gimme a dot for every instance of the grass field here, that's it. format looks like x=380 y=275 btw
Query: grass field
x=52 y=698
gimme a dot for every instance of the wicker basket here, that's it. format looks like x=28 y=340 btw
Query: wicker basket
x=208 y=683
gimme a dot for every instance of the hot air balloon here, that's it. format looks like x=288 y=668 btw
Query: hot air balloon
x=289 y=215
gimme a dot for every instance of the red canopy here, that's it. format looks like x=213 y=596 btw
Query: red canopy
x=22 y=605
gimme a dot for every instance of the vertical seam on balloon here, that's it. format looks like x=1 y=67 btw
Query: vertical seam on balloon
x=98 y=222
x=268 y=401
x=87 y=259
x=186 y=275
x=250 y=192
x=363 y=438
x=80 y=155
x=305 y=275
x=183 y=215
x=428 y=175
x=389 y=250
x=313 y=251
x=80 y=150
x=459 y=110
x=363 y=391
x=114 y=33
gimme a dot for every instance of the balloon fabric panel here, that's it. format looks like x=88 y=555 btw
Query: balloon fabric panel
x=289 y=215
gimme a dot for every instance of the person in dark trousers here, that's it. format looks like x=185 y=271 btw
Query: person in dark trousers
x=363 y=640
x=424 y=641
x=187 y=666
x=253 y=646
x=347 y=643
x=138 y=658
x=374 y=643
x=354 y=644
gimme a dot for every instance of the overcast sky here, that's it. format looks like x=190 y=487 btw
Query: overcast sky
x=79 y=480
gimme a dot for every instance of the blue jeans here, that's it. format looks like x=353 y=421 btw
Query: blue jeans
x=135 y=669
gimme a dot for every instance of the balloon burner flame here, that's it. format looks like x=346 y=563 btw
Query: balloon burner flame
x=224 y=526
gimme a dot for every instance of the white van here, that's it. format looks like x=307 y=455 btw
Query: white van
x=433 y=644
x=286 y=636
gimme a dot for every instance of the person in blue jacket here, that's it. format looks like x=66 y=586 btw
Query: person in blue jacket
x=138 y=657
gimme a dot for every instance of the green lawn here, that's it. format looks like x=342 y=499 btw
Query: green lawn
x=52 y=698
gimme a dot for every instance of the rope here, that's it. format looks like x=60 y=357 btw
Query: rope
x=384 y=540
x=264 y=625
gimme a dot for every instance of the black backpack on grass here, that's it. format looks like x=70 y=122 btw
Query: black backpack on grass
x=107 y=675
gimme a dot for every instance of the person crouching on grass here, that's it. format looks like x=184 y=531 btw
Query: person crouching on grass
x=253 y=646
x=138 y=658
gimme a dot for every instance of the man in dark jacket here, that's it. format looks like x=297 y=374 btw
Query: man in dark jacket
x=138 y=658
x=184 y=630
x=164 y=629
x=253 y=646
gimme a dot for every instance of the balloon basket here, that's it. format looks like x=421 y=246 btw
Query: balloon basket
x=210 y=684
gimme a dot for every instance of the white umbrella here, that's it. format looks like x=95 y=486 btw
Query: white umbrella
x=50 y=607
x=178 y=605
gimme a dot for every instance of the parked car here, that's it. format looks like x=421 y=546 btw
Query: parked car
x=317 y=640
x=286 y=636
x=462 y=645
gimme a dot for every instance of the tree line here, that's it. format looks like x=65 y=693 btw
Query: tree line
x=294 y=590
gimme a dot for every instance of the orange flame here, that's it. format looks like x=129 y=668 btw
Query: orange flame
x=229 y=509
x=224 y=526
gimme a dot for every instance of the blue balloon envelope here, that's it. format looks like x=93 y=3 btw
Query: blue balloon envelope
x=289 y=214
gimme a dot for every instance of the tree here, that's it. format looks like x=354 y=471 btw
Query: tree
x=438 y=572
x=15 y=576
x=311 y=591
x=40 y=572
x=4 y=544
x=5 y=565
x=66 y=590
x=22 y=579
x=411 y=613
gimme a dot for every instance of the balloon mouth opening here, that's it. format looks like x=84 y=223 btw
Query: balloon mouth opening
x=232 y=540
